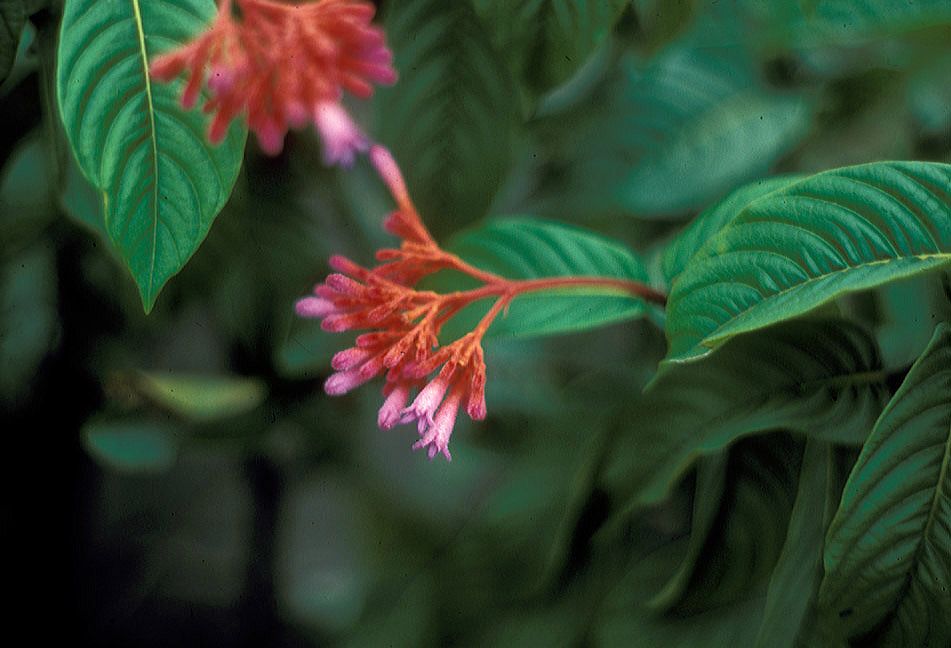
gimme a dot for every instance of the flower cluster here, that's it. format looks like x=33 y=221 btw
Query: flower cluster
x=285 y=65
x=403 y=325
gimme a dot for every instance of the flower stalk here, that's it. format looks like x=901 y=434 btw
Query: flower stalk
x=403 y=323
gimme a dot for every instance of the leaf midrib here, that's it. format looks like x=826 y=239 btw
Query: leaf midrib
x=140 y=33
x=717 y=334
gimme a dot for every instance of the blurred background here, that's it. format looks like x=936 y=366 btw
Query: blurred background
x=184 y=480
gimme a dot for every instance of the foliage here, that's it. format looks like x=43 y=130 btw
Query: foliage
x=737 y=433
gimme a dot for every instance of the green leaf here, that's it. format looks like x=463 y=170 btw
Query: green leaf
x=131 y=446
x=737 y=553
x=683 y=248
x=546 y=41
x=659 y=21
x=12 y=20
x=163 y=182
x=790 y=599
x=804 y=245
x=669 y=137
x=201 y=398
x=25 y=205
x=450 y=117
x=707 y=500
x=888 y=551
x=624 y=625
x=28 y=320
x=523 y=248
x=820 y=378
x=852 y=20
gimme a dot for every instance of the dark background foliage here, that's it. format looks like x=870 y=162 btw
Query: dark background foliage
x=250 y=509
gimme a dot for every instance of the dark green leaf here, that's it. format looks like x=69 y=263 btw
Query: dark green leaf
x=12 y=20
x=804 y=245
x=669 y=137
x=888 y=552
x=658 y=21
x=790 y=599
x=163 y=182
x=28 y=319
x=708 y=498
x=735 y=557
x=625 y=622
x=820 y=378
x=546 y=41
x=850 y=20
x=25 y=205
x=450 y=117
x=523 y=248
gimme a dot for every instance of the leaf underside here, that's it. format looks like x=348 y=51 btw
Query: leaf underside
x=819 y=378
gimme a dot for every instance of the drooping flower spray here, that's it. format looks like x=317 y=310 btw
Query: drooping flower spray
x=283 y=66
x=403 y=323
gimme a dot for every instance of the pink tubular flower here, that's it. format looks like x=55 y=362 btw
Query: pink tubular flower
x=283 y=65
x=402 y=323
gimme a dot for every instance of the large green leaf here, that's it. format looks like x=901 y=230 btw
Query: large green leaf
x=806 y=244
x=546 y=41
x=523 y=248
x=12 y=19
x=888 y=552
x=683 y=248
x=450 y=117
x=663 y=139
x=820 y=378
x=162 y=182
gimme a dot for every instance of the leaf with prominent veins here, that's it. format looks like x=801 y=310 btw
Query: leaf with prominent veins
x=888 y=552
x=806 y=244
x=162 y=182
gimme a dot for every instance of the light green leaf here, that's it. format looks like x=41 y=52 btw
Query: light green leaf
x=523 y=248
x=790 y=599
x=131 y=446
x=669 y=137
x=819 y=378
x=201 y=398
x=163 y=182
x=888 y=552
x=683 y=248
x=450 y=117
x=804 y=245
x=546 y=41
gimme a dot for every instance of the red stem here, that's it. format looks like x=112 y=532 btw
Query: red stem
x=514 y=287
